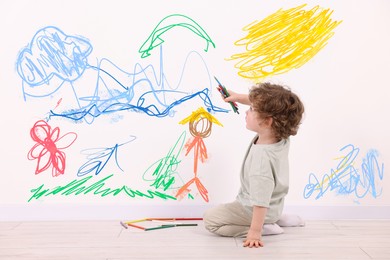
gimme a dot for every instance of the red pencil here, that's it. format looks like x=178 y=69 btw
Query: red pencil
x=174 y=219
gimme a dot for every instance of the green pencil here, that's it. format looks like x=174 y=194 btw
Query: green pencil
x=159 y=227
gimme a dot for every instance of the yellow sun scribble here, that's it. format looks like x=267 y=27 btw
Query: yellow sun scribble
x=284 y=40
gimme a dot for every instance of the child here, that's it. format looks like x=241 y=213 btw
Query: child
x=275 y=113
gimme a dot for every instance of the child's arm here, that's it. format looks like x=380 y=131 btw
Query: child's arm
x=237 y=97
x=253 y=238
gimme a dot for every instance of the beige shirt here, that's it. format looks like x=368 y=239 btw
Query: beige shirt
x=265 y=178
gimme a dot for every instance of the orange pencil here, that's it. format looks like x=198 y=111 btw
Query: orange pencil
x=132 y=225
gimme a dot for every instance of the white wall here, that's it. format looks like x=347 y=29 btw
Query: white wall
x=344 y=88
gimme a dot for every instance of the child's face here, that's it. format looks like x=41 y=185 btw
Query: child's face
x=253 y=120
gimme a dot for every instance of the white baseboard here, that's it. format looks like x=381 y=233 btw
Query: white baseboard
x=123 y=212
x=339 y=212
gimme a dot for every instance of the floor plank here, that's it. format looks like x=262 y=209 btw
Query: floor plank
x=108 y=240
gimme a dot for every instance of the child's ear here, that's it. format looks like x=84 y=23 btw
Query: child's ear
x=268 y=121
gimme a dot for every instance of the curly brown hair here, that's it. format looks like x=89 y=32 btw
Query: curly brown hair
x=280 y=103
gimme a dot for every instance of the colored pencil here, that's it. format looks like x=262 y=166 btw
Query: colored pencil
x=182 y=225
x=174 y=219
x=169 y=222
x=159 y=227
x=221 y=88
x=132 y=225
x=137 y=220
x=124 y=225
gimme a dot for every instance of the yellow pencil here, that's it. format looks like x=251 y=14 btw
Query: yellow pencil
x=137 y=220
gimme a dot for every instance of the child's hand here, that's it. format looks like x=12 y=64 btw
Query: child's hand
x=253 y=239
x=232 y=96
x=253 y=243
x=237 y=98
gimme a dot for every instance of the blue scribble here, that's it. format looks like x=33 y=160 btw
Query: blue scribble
x=54 y=60
x=52 y=53
x=346 y=179
x=99 y=157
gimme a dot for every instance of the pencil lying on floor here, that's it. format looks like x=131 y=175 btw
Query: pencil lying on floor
x=174 y=219
x=126 y=225
x=159 y=227
x=181 y=225
x=169 y=222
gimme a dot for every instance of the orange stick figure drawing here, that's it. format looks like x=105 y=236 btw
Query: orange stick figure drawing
x=200 y=124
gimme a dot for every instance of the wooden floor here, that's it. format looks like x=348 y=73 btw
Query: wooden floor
x=95 y=240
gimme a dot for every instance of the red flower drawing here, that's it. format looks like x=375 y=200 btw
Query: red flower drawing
x=48 y=147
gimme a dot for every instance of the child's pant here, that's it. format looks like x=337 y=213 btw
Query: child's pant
x=233 y=220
